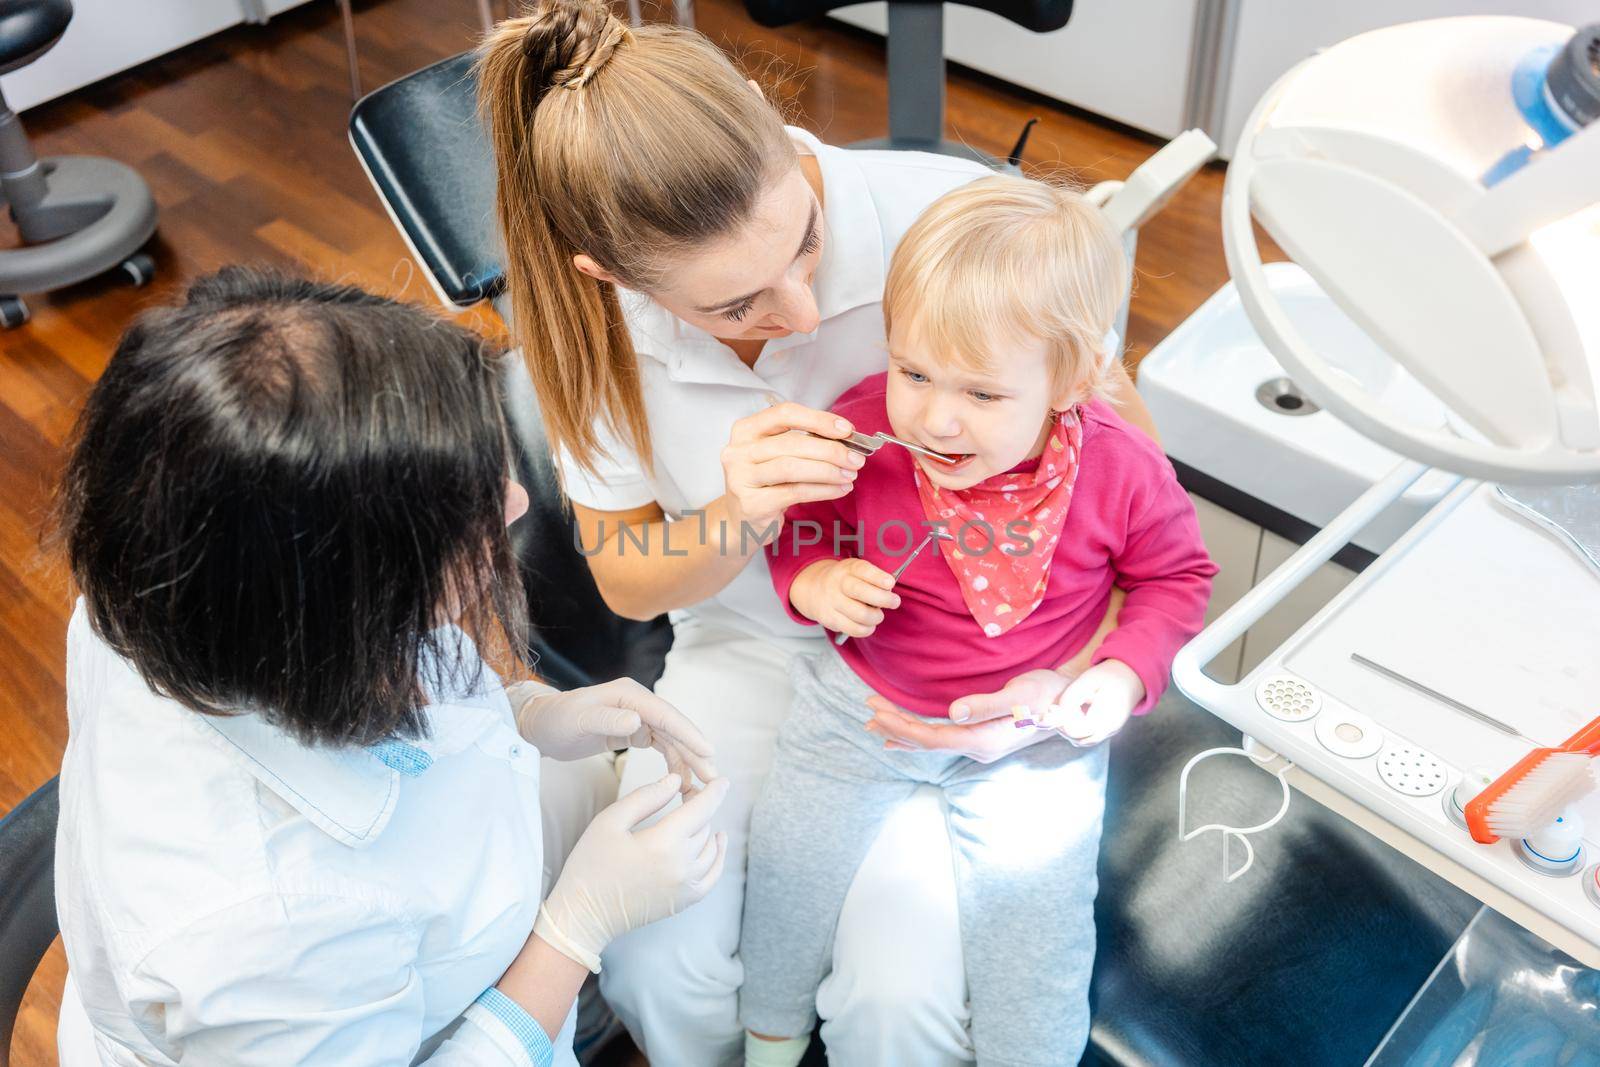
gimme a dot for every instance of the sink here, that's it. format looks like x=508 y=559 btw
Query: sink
x=1225 y=407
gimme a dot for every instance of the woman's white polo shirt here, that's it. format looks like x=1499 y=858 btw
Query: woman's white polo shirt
x=695 y=388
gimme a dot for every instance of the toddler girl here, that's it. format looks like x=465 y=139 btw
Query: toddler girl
x=996 y=306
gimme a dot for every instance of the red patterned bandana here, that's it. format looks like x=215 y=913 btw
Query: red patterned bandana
x=1001 y=580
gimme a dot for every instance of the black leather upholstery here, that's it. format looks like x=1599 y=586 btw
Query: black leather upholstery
x=421 y=142
x=1305 y=960
x=28 y=28
x=1040 y=16
x=27 y=899
x=575 y=638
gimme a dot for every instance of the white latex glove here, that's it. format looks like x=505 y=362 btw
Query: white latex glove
x=1097 y=703
x=600 y=718
x=619 y=877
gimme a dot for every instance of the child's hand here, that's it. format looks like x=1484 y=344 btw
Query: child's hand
x=847 y=596
x=1097 y=703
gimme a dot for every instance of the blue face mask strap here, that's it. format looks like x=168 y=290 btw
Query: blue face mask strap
x=1230 y=833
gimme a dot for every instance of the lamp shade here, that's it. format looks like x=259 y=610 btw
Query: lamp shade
x=1435 y=189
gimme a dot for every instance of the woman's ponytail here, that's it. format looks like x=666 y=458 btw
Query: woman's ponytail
x=575 y=103
x=568 y=325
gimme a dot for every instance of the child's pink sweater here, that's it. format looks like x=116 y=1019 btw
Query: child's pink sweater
x=1129 y=525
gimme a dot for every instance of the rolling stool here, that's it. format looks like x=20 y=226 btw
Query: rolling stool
x=916 y=62
x=79 y=216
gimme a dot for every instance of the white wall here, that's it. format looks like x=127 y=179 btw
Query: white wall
x=1129 y=59
x=1274 y=35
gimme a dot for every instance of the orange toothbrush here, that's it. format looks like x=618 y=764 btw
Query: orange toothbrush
x=1542 y=783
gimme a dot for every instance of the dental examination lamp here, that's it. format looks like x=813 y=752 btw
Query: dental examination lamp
x=1440 y=183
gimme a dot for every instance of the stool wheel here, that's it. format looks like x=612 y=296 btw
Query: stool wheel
x=13 y=312
x=139 y=268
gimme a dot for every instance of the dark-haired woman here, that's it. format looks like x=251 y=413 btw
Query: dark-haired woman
x=301 y=819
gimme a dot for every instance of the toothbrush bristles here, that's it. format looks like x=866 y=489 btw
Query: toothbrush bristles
x=1544 y=793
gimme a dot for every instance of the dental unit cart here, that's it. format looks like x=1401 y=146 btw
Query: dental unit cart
x=1438 y=182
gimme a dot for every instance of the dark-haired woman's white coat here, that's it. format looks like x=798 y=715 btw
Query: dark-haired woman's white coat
x=230 y=895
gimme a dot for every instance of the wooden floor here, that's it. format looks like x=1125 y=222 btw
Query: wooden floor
x=242 y=138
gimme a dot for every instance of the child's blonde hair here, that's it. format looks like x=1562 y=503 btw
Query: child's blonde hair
x=1007 y=258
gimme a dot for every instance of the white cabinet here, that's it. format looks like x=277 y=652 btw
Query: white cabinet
x=1128 y=60
x=1166 y=65
x=108 y=36
x=1291 y=613
x=1234 y=544
x=1245 y=554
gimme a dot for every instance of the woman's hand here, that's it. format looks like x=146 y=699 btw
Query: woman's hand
x=766 y=468
x=601 y=718
x=981 y=727
x=620 y=877
x=848 y=596
x=984 y=742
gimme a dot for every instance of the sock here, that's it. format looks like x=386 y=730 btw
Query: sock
x=784 y=1053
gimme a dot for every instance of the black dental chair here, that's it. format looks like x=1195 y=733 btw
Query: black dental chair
x=1304 y=961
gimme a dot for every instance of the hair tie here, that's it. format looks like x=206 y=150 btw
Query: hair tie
x=615 y=33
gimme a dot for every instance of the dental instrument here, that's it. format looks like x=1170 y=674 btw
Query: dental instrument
x=936 y=533
x=864 y=444
x=933 y=535
x=867 y=444
x=1449 y=702
x=1537 y=789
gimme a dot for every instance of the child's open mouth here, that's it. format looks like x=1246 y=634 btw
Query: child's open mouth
x=961 y=461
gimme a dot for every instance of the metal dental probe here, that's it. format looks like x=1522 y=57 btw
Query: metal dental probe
x=840 y=639
x=1449 y=702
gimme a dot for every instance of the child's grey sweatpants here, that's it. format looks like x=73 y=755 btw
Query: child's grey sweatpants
x=1025 y=833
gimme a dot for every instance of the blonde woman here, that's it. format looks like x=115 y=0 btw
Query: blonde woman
x=678 y=260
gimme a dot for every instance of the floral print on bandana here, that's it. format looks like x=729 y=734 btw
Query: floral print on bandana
x=1001 y=581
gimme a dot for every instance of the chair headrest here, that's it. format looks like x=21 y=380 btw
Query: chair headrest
x=422 y=145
